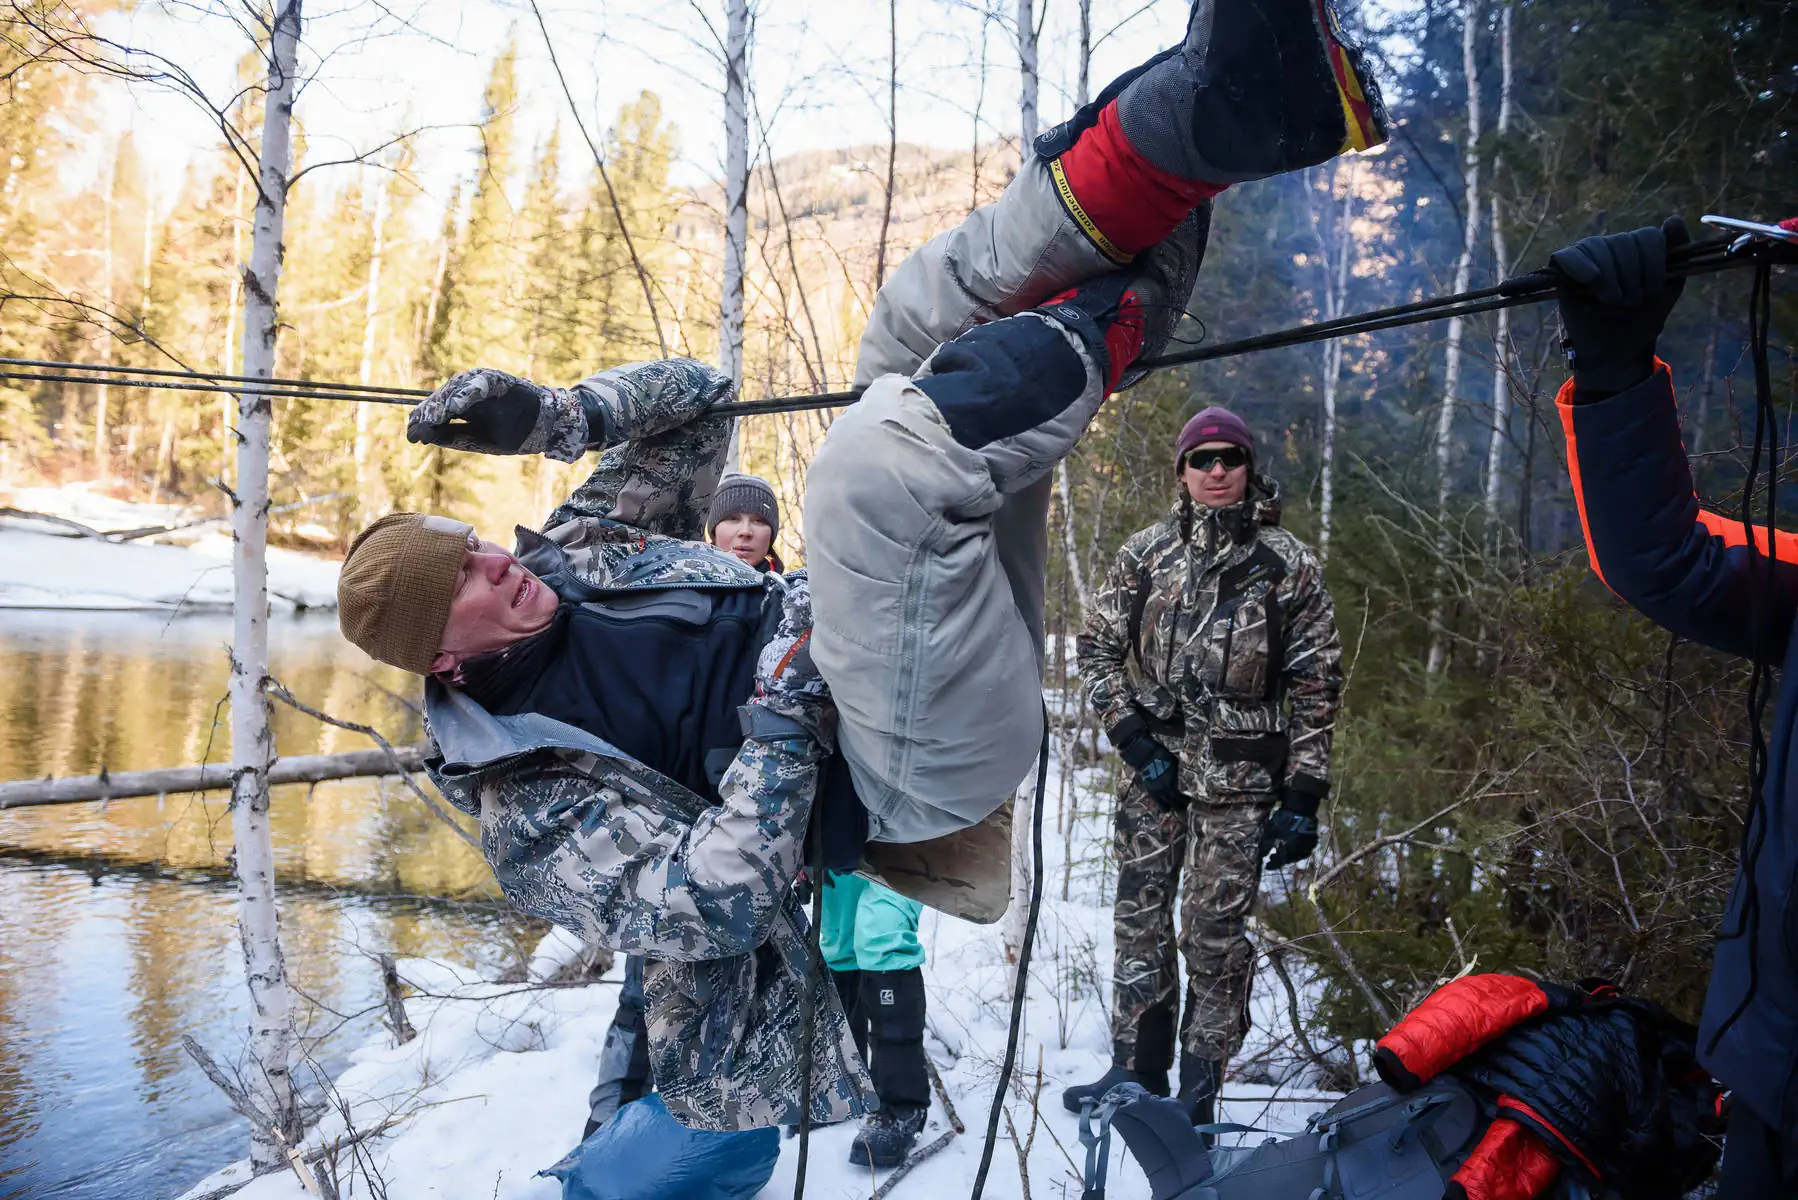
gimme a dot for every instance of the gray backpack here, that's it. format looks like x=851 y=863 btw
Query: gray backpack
x=1373 y=1144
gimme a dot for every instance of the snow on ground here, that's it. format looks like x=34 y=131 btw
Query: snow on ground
x=494 y=1089
x=189 y=570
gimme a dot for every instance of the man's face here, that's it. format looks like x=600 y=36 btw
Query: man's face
x=1216 y=474
x=497 y=602
x=745 y=535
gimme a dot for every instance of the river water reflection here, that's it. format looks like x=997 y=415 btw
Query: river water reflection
x=117 y=932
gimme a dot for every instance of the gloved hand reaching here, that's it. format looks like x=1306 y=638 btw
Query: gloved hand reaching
x=787 y=682
x=1615 y=301
x=1156 y=769
x=1291 y=834
x=491 y=412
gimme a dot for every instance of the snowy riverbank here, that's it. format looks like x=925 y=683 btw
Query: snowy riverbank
x=44 y=564
x=494 y=1088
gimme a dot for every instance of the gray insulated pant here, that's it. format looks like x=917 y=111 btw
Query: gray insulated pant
x=928 y=560
x=927 y=593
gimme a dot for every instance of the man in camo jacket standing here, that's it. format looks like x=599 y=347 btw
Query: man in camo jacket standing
x=1210 y=653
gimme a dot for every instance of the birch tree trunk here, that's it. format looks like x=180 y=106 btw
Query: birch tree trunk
x=1024 y=801
x=1070 y=542
x=1501 y=340
x=1334 y=249
x=366 y=502
x=106 y=267
x=886 y=212
x=736 y=201
x=1451 y=374
x=226 y=365
x=268 y=1079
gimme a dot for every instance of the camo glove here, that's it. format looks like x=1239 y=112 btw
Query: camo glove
x=1156 y=769
x=1291 y=834
x=787 y=683
x=491 y=412
x=1618 y=302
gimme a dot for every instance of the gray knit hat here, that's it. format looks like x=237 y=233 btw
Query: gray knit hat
x=743 y=494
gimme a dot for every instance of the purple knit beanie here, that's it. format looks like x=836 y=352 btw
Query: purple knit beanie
x=1213 y=425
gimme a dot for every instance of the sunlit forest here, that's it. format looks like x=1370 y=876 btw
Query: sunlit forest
x=1528 y=775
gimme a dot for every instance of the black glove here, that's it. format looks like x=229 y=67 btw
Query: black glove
x=1156 y=769
x=1617 y=303
x=491 y=412
x=1291 y=833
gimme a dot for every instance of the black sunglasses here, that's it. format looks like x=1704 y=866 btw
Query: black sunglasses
x=1231 y=456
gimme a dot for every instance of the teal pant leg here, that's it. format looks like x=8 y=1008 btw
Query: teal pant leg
x=886 y=931
x=842 y=900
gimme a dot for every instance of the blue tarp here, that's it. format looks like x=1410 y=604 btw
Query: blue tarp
x=645 y=1154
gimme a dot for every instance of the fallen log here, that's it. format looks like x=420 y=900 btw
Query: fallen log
x=308 y=768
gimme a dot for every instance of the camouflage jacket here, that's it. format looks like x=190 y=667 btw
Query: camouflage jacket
x=581 y=834
x=1214 y=629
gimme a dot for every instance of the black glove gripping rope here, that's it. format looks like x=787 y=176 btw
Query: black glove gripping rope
x=1761 y=616
x=1023 y=980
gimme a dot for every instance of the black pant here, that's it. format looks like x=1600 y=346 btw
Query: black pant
x=1758 y=1163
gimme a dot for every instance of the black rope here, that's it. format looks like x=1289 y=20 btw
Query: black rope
x=808 y=1000
x=1697 y=258
x=1762 y=600
x=1023 y=979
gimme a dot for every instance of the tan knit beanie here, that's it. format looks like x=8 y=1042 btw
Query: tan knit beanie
x=393 y=597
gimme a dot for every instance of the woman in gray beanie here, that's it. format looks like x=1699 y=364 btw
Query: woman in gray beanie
x=745 y=519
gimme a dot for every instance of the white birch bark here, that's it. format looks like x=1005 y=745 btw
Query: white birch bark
x=1334 y=253
x=268 y=1078
x=106 y=268
x=1070 y=543
x=371 y=311
x=1024 y=802
x=1501 y=340
x=736 y=200
x=1451 y=373
x=227 y=363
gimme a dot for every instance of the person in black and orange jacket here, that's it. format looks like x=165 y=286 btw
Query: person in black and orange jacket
x=1694 y=573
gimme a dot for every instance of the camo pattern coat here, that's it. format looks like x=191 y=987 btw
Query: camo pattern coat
x=1235 y=662
x=1206 y=623
x=582 y=835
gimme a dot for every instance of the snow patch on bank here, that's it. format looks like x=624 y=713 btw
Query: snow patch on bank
x=41 y=567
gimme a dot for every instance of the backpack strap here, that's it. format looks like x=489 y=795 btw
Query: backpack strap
x=1139 y=602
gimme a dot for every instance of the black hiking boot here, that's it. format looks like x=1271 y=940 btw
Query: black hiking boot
x=887 y=1136
x=1154 y=1082
x=1200 y=1081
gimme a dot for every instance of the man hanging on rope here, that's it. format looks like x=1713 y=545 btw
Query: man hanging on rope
x=1693 y=572
x=617 y=795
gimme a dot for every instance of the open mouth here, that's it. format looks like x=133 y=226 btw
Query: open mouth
x=526 y=587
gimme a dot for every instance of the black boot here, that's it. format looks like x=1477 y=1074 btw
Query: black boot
x=1200 y=1081
x=887 y=1137
x=1155 y=1082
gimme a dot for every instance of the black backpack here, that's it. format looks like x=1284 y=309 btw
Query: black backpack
x=1373 y=1144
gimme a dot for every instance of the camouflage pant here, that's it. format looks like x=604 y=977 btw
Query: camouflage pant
x=1218 y=846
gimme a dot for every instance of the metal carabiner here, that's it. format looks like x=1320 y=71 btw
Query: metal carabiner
x=1785 y=231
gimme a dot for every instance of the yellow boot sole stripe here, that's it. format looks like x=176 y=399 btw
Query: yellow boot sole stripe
x=1106 y=246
